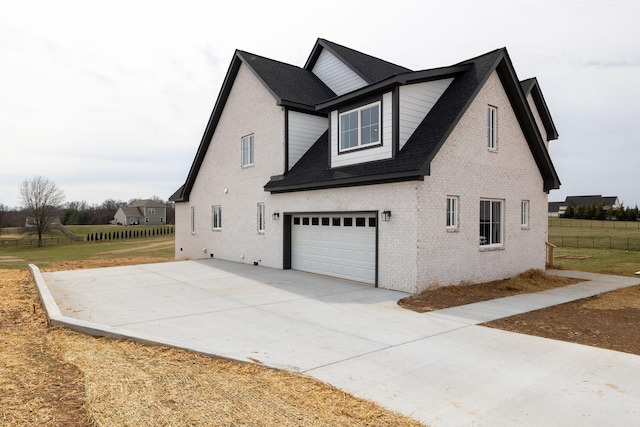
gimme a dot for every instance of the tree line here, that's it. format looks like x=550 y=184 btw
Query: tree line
x=591 y=211
x=78 y=213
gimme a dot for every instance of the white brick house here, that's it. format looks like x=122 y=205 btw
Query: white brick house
x=357 y=168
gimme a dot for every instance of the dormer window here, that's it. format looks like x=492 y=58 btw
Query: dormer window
x=360 y=127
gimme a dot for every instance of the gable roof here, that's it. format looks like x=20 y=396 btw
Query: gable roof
x=414 y=160
x=587 y=200
x=291 y=86
x=370 y=68
x=531 y=86
x=146 y=203
x=299 y=88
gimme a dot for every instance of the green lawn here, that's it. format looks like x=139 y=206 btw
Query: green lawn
x=19 y=257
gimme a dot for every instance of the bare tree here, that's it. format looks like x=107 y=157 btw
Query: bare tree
x=41 y=199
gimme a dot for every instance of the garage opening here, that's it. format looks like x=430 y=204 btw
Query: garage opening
x=335 y=244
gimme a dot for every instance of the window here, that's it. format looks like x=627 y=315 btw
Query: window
x=247 y=150
x=524 y=213
x=261 y=220
x=193 y=220
x=360 y=127
x=452 y=212
x=492 y=127
x=216 y=217
x=151 y=211
x=490 y=222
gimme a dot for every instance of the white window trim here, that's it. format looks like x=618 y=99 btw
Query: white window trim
x=499 y=244
x=251 y=150
x=261 y=221
x=492 y=128
x=524 y=214
x=452 y=209
x=216 y=217
x=360 y=144
x=193 y=220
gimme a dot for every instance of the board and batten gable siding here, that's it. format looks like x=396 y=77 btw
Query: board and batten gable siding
x=466 y=168
x=536 y=115
x=304 y=131
x=379 y=152
x=336 y=75
x=222 y=181
x=416 y=101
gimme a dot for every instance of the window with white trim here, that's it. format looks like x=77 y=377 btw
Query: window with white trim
x=524 y=213
x=492 y=127
x=216 y=217
x=360 y=127
x=452 y=212
x=247 y=150
x=491 y=223
x=261 y=219
x=193 y=220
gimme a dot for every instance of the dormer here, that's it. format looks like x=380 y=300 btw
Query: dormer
x=375 y=122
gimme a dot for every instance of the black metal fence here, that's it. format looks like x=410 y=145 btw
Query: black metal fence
x=624 y=243
x=49 y=241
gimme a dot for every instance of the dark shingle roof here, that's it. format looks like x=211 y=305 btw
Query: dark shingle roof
x=370 y=68
x=300 y=88
x=413 y=161
x=587 y=200
x=288 y=83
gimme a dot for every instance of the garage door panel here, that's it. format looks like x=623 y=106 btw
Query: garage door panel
x=340 y=245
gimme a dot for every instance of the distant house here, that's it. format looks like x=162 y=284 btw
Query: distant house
x=558 y=208
x=148 y=212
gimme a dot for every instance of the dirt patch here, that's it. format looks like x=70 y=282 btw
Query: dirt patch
x=57 y=377
x=453 y=296
x=610 y=320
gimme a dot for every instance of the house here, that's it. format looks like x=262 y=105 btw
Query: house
x=354 y=167
x=610 y=203
x=147 y=212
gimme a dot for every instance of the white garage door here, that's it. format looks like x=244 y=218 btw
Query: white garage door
x=339 y=245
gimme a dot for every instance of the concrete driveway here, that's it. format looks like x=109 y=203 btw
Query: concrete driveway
x=439 y=368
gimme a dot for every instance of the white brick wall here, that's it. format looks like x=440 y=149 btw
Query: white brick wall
x=464 y=167
x=250 y=109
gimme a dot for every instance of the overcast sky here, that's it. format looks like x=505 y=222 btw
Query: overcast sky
x=110 y=99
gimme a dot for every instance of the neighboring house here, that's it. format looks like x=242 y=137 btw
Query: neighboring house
x=357 y=168
x=609 y=202
x=147 y=212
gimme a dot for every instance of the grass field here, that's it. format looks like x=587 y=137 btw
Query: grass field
x=583 y=234
x=17 y=257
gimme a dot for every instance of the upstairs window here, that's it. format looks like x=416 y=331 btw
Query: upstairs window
x=492 y=127
x=360 y=127
x=247 y=150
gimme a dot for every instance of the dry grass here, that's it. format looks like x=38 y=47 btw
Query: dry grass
x=57 y=377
